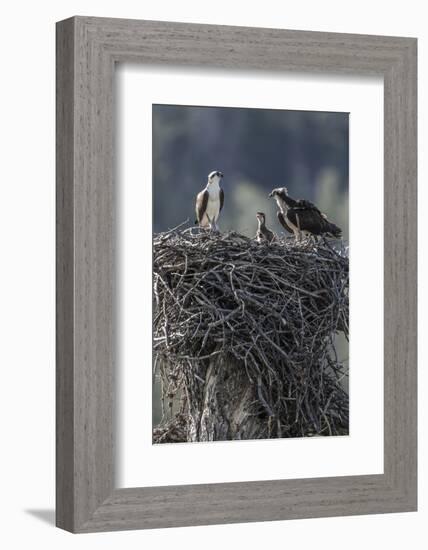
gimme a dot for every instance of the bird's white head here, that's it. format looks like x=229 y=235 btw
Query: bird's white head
x=261 y=217
x=214 y=177
x=278 y=192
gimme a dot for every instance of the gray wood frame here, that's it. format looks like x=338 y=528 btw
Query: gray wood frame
x=87 y=50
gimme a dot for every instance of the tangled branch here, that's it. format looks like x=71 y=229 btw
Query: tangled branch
x=272 y=310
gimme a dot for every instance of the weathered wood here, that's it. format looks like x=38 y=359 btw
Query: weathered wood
x=64 y=276
x=228 y=410
x=87 y=49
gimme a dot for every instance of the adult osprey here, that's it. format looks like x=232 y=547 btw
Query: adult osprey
x=263 y=233
x=209 y=202
x=302 y=217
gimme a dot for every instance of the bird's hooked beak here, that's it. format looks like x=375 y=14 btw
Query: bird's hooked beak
x=220 y=174
x=271 y=194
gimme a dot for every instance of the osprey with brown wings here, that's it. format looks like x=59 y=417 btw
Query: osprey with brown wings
x=302 y=217
x=209 y=202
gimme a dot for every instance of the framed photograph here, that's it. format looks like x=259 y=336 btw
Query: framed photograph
x=236 y=274
x=255 y=301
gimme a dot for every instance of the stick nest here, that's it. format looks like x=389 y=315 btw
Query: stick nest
x=272 y=309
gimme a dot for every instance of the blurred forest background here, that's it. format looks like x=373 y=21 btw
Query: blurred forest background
x=257 y=150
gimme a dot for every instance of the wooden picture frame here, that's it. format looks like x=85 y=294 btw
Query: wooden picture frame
x=87 y=50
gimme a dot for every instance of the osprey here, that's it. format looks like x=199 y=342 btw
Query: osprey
x=209 y=202
x=302 y=217
x=263 y=233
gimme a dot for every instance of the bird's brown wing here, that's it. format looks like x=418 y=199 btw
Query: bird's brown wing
x=308 y=219
x=221 y=199
x=265 y=235
x=270 y=235
x=201 y=205
x=283 y=222
x=308 y=205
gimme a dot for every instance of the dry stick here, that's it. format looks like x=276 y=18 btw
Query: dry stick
x=273 y=308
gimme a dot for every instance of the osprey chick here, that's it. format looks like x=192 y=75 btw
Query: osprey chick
x=302 y=217
x=209 y=202
x=263 y=233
